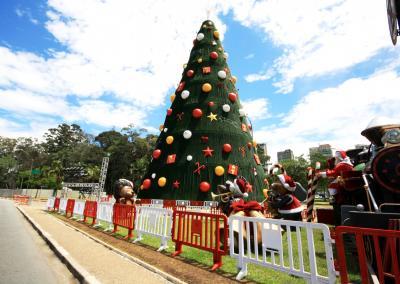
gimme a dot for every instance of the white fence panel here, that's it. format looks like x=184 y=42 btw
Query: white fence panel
x=50 y=203
x=182 y=202
x=157 y=202
x=79 y=207
x=63 y=205
x=105 y=213
x=154 y=221
x=278 y=244
x=213 y=204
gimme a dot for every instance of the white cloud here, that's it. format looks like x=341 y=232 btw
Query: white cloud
x=260 y=76
x=249 y=56
x=317 y=37
x=26 y=13
x=335 y=115
x=256 y=109
x=133 y=50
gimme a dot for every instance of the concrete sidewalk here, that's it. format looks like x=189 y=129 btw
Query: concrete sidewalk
x=96 y=262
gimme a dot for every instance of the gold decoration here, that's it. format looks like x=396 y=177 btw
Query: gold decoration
x=206 y=88
x=216 y=34
x=172 y=98
x=212 y=116
x=200 y=60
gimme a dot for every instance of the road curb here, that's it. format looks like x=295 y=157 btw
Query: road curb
x=77 y=270
x=138 y=261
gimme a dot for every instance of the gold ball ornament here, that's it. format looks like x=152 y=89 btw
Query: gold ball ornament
x=216 y=34
x=200 y=60
x=219 y=170
x=184 y=66
x=162 y=181
x=161 y=127
x=254 y=143
x=234 y=79
x=169 y=140
x=206 y=88
x=172 y=98
x=141 y=187
x=220 y=48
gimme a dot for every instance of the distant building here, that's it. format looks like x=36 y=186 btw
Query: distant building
x=263 y=148
x=285 y=155
x=323 y=149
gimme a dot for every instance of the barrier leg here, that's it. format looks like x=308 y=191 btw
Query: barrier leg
x=217 y=258
x=164 y=244
x=93 y=222
x=243 y=272
x=178 y=249
x=115 y=229
x=138 y=239
x=130 y=234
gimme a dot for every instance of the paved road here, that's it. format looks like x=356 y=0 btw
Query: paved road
x=24 y=257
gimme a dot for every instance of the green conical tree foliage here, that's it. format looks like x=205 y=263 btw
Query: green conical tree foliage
x=203 y=122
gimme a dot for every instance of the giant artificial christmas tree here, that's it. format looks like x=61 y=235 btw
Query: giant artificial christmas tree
x=206 y=138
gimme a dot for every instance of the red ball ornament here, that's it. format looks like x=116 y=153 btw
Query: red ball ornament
x=204 y=186
x=156 y=153
x=197 y=113
x=190 y=73
x=210 y=104
x=227 y=148
x=213 y=55
x=169 y=111
x=146 y=183
x=232 y=97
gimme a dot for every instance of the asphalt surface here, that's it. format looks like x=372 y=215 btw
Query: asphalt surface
x=24 y=256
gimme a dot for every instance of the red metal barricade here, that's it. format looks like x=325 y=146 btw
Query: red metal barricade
x=22 y=199
x=196 y=203
x=385 y=253
x=57 y=204
x=124 y=216
x=90 y=211
x=205 y=231
x=69 y=210
x=170 y=204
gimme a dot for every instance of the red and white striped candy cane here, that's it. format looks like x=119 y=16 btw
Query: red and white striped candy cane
x=311 y=189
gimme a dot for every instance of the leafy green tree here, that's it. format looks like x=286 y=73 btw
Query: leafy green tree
x=297 y=169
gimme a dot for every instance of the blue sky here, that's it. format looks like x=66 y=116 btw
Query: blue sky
x=308 y=72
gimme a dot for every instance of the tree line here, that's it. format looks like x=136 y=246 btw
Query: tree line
x=29 y=163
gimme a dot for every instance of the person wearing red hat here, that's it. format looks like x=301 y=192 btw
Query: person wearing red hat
x=287 y=204
x=336 y=187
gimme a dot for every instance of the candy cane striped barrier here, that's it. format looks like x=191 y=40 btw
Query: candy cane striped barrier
x=311 y=189
x=278 y=241
x=78 y=209
x=155 y=222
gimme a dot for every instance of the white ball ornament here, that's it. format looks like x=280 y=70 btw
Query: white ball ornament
x=200 y=36
x=165 y=129
x=153 y=175
x=185 y=94
x=221 y=74
x=242 y=112
x=187 y=134
x=189 y=158
x=226 y=55
x=226 y=108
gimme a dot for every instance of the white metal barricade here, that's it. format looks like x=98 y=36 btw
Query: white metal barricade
x=154 y=221
x=213 y=204
x=105 y=214
x=278 y=244
x=157 y=202
x=182 y=202
x=63 y=205
x=50 y=203
x=79 y=207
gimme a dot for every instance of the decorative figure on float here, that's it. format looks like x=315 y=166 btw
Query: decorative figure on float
x=336 y=186
x=124 y=192
x=283 y=198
